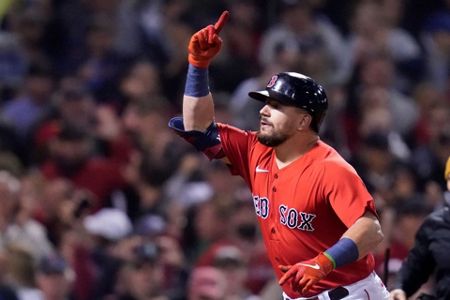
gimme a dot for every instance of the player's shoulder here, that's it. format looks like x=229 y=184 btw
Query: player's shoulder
x=332 y=162
x=327 y=155
x=233 y=130
x=230 y=134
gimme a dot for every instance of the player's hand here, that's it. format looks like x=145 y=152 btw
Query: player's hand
x=206 y=43
x=397 y=294
x=304 y=275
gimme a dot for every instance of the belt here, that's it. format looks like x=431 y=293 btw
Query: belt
x=335 y=294
x=338 y=293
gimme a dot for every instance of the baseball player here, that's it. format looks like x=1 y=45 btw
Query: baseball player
x=317 y=219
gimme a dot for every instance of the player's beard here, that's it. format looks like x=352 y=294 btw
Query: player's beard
x=272 y=140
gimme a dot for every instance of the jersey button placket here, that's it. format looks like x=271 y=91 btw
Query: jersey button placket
x=274 y=189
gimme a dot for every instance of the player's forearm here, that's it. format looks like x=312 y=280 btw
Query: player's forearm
x=198 y=112
x=198 y=107
x=366 y=233
x=204 y=45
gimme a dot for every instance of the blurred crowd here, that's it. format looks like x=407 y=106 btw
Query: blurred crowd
x=100 y=200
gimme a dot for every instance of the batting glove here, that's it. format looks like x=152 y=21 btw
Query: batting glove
x=306 y=274
x=206 y=43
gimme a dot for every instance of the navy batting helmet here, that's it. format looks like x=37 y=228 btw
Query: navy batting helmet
x=295 y=89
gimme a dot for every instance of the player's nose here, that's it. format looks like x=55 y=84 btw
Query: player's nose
x=265 y=111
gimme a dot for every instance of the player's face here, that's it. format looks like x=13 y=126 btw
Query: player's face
x=277 y=123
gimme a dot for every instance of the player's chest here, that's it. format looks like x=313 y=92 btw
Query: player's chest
x=286 y=191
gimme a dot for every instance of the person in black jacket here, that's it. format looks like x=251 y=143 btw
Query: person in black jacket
x=429 y=254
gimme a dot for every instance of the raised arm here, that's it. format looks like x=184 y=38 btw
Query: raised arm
x=197 y=124
x=198 y=106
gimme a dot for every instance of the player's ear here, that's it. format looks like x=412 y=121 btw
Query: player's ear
x=304 y=122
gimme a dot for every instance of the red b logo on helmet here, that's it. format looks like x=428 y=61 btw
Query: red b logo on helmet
x=272 y=81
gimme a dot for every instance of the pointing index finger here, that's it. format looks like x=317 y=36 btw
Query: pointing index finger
x=222 y=20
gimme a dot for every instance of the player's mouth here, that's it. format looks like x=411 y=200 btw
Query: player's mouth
x=264 y=123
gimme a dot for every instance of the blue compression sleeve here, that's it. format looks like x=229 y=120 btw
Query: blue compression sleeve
x=196 y=82
x=343 y=252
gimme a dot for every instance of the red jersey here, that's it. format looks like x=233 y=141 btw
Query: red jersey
x=304 y=208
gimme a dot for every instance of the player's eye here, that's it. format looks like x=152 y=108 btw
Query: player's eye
x=273 y=104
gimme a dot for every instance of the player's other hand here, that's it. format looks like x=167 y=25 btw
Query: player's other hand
x=206 y=43
x=397 y=294
x=304 y=275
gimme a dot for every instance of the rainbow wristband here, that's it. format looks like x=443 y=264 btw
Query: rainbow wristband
x=196 y=82
x=343 y=252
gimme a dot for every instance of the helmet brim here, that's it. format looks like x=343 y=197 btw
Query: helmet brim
x=265 y=95
x=259 y=95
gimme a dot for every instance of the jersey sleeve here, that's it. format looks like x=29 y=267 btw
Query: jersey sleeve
x=237 y=145
x=346 y=192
